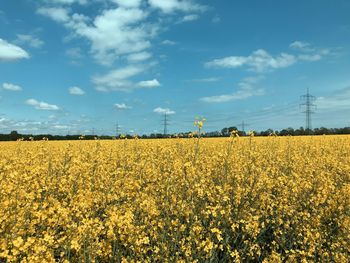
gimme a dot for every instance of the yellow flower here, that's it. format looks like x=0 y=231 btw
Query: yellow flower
x=18 y=242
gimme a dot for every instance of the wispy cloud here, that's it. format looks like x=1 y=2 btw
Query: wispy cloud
x=11 y=87
x=58 y=14
x=34 y=126
x=68 y=2
x=121 y=79
x=212 y=79
x=246 y=89
x=310 y=57
x=118 y=80
x=259 y=61
x=139 y=57
x=29 y=40
x=61 y=127
x=149 y=83
x=216 y=19
x=168 y=42
x=309 y=52
x=170 y=6
x=188 y=18
x=10 y=52
x=128 y=3
x=74 y=53
x=40 y=105
x=122 y=106
x=167 y=111
x=338 y=101
x=300 y=45
x=76 y=91
x=262 y=61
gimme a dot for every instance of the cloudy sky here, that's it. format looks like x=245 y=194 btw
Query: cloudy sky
x=73 y=66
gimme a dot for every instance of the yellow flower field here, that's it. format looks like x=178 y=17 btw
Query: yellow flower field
x=233 y=199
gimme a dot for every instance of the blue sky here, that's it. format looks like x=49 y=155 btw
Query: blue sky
x=73 y=66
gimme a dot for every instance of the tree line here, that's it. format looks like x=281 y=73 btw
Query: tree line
x=225 y=132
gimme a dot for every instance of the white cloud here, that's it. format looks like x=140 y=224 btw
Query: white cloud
x=117 y=80
x=259 y=61
x=188 y=18
x=30 y=40
x=169 y=42
x=39 y=105
x=59 y=14
x=10 y=52
x=113 y=33
x=310 y=57
x=149 y=83
x=51 y=125
x=299 y=45
x=122 y=73
x=128 y=3
x=309 y=49
x=11 y=87
x=212 y=79
x=117 y=32
x=60 y=127
x=310 y=53
x=138 y=57
x=120 y=30
x=167 y=111
x=246 y=89
x=122 y=106
x=76 y=91
x=170 y=6
x=9 y=124
x=82 y=2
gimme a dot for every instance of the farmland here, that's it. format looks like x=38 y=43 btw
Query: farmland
x=269 y=199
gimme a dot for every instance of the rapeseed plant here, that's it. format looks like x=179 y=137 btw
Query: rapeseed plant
x=272 y=199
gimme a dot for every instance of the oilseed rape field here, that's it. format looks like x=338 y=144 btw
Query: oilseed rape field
x=246 y=199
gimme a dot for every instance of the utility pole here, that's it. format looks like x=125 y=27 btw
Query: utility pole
x=243 y=125
x=117 y=129
x=309 y=108
x=165 y=123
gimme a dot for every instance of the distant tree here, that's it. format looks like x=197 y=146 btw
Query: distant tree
x=300 y=131
x=266 y=133
x=322 y=130
x=284 y=132
x=225 y=131
x=14 y=135
x=233 y=128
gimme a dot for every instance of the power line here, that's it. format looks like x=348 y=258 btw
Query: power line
x=117 y=129
x=309 y=109
x=165 y=124
x=243 y=125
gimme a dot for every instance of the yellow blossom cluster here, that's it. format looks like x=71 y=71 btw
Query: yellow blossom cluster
x=237 y=199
